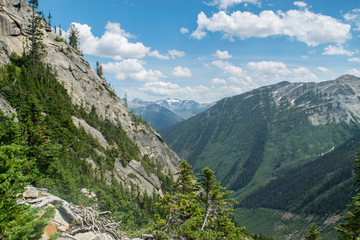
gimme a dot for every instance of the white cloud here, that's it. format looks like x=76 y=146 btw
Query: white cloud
x=184 y=30
x=256 y=74
x=181 y=72
x=218 y=81
x=353 y=17
x=354 y=59
x=336 y=50
x=198 y=93
x=175 y=53
x=113 y=44
x=222 y=54
x=228 y=68
x=302 y=25
x=132 y=70
x=269 y=72
x=323 y=69
x=268 y=68
x=158 y=55
x=300 y=4
x=354 y=71
x=225 y=4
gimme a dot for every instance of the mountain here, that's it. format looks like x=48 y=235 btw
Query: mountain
x=287 y=148
x=157 y=116
x=184 y=108
x=163 y=113
x=80 y=133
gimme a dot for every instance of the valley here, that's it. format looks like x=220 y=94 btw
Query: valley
x=264 y=159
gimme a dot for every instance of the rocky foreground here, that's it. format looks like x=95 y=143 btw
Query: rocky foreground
x=75 y=222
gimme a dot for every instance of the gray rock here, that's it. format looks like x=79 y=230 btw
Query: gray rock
x=86 y=89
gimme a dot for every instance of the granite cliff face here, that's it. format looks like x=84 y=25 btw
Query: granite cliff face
x=85 y=89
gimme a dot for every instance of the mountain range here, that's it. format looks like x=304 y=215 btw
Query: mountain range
x=286 y=150
x=163 y=113
x=286 y=147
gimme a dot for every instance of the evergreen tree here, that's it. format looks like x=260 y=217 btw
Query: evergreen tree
x=17 y=221
x=37 y=47
x=217 y=206
x=99 y=70
x=313 y=233
x=350 y=228
x=185 y=182
x=49 y=18
x=74 y=40
x=197 y=209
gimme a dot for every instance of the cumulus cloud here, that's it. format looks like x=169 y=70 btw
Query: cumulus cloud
x=158 y=55
x=301 y=25
x=353 y=17
x=184 y=30
x=228 y=67
x=176 y=53
x=114 y=43
x=132 y=70
x=222 y=54
x=354 y=59
x=256 y=74
x=199 y=93
x=269 y=72
x=300 y=4
x=181 y=72
x=218 y=81
x=323 y=69
x=336 y=50
x=225 y=4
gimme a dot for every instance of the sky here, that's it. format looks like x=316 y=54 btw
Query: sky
x=210 y=49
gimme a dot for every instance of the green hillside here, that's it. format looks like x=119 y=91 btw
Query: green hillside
x=267 y=150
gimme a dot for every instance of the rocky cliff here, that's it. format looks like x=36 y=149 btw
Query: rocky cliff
x=88 y=90
x=330 y=101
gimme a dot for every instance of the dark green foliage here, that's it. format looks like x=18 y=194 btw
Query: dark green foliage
x=17 y=221
x=250 y=141
x=197 y=209
x=99 y=70
x=114 y=134
x=58 y=149
x=313 y=233
x=74 y=40
x=37 y=47
x=319 y=195
x=350 y=228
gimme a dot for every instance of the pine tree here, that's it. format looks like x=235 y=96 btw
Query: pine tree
x=350 y=228
x=17 y=221
x=185 y=182
x=196 y=209
x=74 y=40
x=313 y=233
x=49 y=18
x=37 y=47
x=99 y=70
x=217 y=206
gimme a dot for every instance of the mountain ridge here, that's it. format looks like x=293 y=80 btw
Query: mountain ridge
x=249 y=139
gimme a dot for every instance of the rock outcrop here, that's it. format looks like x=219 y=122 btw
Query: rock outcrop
x=73 y=221
x=86 y=89
x=330 y=101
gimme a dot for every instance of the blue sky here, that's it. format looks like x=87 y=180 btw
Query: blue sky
x=210 y=49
